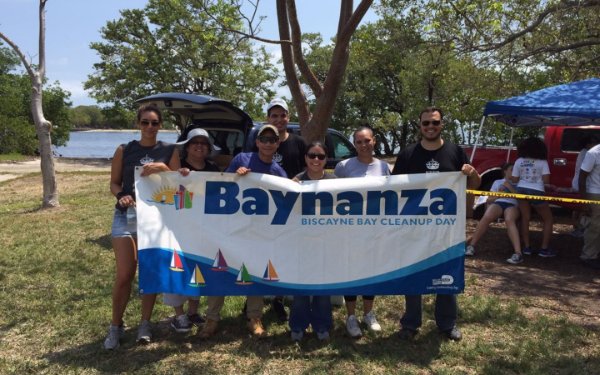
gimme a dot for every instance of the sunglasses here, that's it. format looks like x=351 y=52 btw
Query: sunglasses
x=148 y=122
x=434 y=123
x=365 y=141
x=316 y=156
x=267 y=139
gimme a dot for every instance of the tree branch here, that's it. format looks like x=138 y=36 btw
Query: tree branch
x=305 y=70
x=250 y=35
x=350 y=27
x=288 y=64
x=22 y=57
x=561 y=6
x=42 y=41
x=324 y=108
x=559 y=48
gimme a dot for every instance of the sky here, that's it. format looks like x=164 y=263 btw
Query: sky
x=71 y=25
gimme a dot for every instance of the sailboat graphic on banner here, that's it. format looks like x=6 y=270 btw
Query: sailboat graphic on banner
x=243 y=277
x=219 y=264
x=197 y=279
x=270 y=273
x=176 y=264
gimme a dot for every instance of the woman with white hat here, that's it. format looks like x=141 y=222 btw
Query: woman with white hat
x=196 y=149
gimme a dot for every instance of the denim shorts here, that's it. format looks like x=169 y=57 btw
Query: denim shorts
x=528 y=191
x=121 y=227
x=504 y=205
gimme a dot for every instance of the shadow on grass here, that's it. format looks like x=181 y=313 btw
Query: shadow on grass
x=104 y=241
x=562 y=364
x=499 y=338
x=234 y=343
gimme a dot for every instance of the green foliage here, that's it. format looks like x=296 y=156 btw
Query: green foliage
x=175 y=46
x=17 y=135
x=117 y=117
x=87 y=116
x=456 y=55
x=8 y=59
x=56 y=106
x=17 y=130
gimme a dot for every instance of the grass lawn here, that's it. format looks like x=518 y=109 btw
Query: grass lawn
x=56 y=273
x=13 y=157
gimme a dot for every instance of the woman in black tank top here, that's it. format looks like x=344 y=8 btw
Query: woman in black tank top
x=154 y=157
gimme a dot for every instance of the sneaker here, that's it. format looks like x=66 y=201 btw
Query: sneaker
x=255 y=326
x=195 y=319
x=144 y=335
x=371 y=322
x=297 y=335
x=352 y=327
x=181 y=324
x=115 y=333
x=209 y=329
x=279 y=309
x=470 y=250
x=453 y=334
x=577 y=233
x=527 y=251
x=515 y=259
x=323 y=336
x=407 y=334
x=547 y=253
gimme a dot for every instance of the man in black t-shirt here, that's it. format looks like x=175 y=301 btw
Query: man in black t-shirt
x=291 y=150
x=432 y=155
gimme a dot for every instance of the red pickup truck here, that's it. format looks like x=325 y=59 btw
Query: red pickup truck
x=563 y=144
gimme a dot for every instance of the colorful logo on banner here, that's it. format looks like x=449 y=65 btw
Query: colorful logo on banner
x=180 y=198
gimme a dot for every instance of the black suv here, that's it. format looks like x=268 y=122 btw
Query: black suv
x=230 y=128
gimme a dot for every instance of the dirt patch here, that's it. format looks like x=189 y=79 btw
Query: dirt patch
x=12 y=170
x=561 y=284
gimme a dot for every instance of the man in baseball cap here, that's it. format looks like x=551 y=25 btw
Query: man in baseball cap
x=290 y=155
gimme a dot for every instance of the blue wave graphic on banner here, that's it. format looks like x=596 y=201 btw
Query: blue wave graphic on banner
x=443 y=273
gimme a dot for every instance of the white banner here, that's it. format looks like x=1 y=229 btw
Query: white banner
x=222 y=234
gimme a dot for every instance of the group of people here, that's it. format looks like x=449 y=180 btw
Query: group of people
x=283 y=154
x=530 y=175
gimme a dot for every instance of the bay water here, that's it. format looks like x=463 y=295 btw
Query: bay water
x=102 y=144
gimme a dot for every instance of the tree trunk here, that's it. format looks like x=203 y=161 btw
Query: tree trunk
x=43 y=128
x=315 y=127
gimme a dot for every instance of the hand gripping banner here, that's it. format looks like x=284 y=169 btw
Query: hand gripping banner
x=222 y=234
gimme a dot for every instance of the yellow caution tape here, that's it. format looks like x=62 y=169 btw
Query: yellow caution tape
x=537 y=197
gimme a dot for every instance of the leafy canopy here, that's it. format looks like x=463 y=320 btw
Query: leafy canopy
x=176 y=46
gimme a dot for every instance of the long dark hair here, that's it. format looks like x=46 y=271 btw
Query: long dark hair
x=533 y=148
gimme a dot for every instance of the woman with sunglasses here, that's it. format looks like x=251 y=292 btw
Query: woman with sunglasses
x=153 y=156
x=317 y=312
x=363 y=165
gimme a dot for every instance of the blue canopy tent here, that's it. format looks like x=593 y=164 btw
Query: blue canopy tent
x=571 y=104
x=576 y=103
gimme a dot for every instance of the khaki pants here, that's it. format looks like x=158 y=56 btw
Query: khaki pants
x=254 y=307
x=591 y=238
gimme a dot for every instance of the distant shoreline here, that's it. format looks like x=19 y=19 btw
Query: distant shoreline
x=91 y=130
